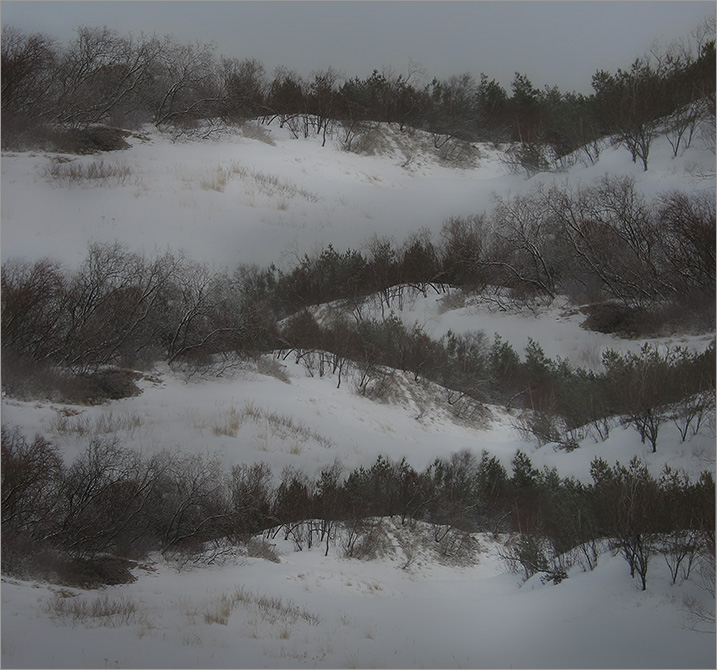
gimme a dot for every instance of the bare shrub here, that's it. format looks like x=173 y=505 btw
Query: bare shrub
x=530 y=554
x=466 y=409
x=375 y=382
x=362 y=137
x=110 y=385
x=31 y=474
x=272 y=368
x=457 y=153
x=26 y=379
x=611 y=318
x=255 y=131
x=365 y=539
x=79 y=141
x=455 y=546
x=261 y=548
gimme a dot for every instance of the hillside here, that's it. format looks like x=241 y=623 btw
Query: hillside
x=260 y=196
x=235 y=199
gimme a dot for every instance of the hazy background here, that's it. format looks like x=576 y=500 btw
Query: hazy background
x=553 y=43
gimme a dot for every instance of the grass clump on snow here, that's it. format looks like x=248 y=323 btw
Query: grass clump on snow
x=101 y=611
x=262 y=182
x=98 y=172
x=265 y=609
x=275 y=425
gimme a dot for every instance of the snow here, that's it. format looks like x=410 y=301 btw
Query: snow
x=280 y=201
x=163 y=202
x=371 y=614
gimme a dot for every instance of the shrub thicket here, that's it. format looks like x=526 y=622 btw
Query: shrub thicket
x=64 y=521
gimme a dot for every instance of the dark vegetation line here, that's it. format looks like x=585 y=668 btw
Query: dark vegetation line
x=59 y=521
x=56 y=95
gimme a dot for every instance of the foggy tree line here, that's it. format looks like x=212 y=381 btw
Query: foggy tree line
x=102 y=77
x=59 y=520
x=594 y=243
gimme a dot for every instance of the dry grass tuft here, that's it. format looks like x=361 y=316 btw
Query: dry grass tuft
x=98 y=172
x=264 y=610
x=220 y=611
x=268 y=184
x=229 y=424
x=69 y=421
x=102 y=611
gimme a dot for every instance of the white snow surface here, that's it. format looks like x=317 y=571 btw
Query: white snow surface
x=390 y=612
x=329 y=197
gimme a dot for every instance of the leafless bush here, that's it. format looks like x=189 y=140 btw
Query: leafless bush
x=530 y=554
x=87 y=573
x=455 y=546
x=31 y=472
x=467 y=409
x=262 y=548
x=375 y=382
x=255 y=131
x=26 y=379
x=365 y=539
x=33 y=135
x=272 y=367
x=457 y=153
x=110 y=385
x=362 y=137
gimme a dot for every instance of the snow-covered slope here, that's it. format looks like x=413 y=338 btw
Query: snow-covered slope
x=316 y=611
x=237 y=200
x=240 y=200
